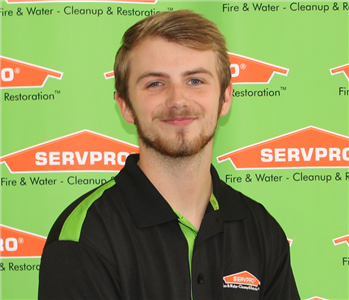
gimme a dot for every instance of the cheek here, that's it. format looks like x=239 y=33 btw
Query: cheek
x=145 y=109
x=210 y=105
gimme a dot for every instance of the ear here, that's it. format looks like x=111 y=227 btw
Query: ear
x=124 y=109
x=228 y=94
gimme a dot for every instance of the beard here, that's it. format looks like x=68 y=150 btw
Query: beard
x=180 y=145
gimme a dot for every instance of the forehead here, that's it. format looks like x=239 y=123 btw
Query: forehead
x=157 y=54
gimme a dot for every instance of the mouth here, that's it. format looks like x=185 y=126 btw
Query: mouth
x=179 y=121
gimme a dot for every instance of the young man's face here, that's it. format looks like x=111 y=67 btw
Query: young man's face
x=174 y=91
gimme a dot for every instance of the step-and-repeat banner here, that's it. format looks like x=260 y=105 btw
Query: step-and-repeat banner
x=285 y=142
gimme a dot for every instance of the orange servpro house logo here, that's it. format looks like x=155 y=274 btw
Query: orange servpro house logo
x=19 y=74
x=310 y=147
x=341 y=240
x=109 y=75
x=249 y=70
x=242 y=280
x=244 y=70
x=81 y=151
x=341 y=69
x=316 y=298
x=15 y=243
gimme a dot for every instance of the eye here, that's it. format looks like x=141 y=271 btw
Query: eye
x=154 y=84
x=195 y=81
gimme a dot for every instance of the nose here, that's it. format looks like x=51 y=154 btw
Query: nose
x=176 y=97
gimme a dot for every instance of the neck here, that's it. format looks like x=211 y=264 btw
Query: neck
x=185 y=183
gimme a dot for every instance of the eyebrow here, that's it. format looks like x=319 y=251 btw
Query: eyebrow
x=198 y=71
x=152 y=74
x=161 y=74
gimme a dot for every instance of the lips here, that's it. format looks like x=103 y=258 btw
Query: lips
x=179 y=121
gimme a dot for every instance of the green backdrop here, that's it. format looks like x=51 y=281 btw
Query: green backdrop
x=73 y=44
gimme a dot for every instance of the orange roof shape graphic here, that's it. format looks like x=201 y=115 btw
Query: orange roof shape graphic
x=109 y=75
x=19 y=74
x=19 y=244
x=81 y=151
x=310 y=147
x=249 y=70
x=341 y=240
x=50 y=1
x=316 y=298
x=341 y=69
x=242 y=278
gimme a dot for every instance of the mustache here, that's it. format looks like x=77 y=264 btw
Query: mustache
x=177 y=113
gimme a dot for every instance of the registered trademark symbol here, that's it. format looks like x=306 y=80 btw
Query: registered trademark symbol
x=21 y=240
x=242 y=66
x=17 y=70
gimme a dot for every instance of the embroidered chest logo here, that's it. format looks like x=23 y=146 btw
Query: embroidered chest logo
x=242 y=280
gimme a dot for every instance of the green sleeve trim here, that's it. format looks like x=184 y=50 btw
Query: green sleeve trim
x=72 y=226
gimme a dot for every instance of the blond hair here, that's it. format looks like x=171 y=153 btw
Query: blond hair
x=184 y=27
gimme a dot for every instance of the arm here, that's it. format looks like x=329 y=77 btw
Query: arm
x=281 y=283
x=72 y=270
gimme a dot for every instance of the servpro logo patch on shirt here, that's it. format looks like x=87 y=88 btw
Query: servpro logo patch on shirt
x=242 y=280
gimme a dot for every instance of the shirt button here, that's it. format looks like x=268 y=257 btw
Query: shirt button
x=200 y=279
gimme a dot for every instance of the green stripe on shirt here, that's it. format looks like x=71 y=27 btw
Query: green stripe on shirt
x=189 y=230
x=71 y=228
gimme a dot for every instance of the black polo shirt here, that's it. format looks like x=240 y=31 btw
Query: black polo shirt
x=123 y=241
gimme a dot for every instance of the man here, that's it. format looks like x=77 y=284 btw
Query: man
x=167 y=227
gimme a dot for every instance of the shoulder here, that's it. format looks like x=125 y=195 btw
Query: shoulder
x=248 y=205
x=69 y=224
x=235 y=206
x=252 y=215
